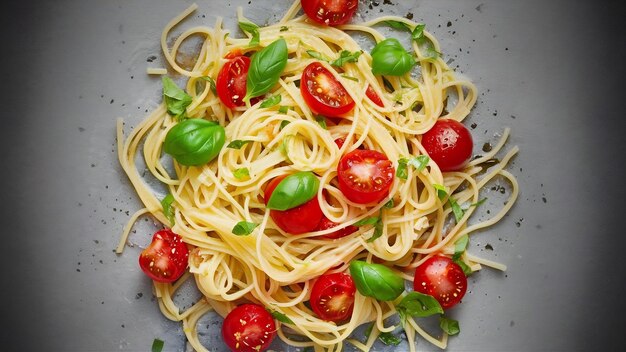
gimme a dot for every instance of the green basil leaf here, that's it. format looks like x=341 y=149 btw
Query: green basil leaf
x=480 y=202
x=244 y=228
x=253 y=29
x=175 y=98
x=441 y=191
x=390 y=204
x=241 y=173
x=418 y=32
x=294 y=190
x=211 y=82
x=420 y=305
x=390 y=58
x=432 y=54
x=350 y=78
x=284 y=28
x=168 y=210
x=402 y=172
x=281 y=317
x=389 y=339
x=459 y=246
x=265 y=69
x=283 y=123
x=398 y=25
x=316 y=55
x=269 y=102
x=376 y=280
x=157 y=345
x=238 y=143
x=367 y=221
x=419 y=162
x=321 y=120
x=378 y=231
x=466 y=269
x=346 y=56
x=456 y=209
x=449 y=326
x=194 y=141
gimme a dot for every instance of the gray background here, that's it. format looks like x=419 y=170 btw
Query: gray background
x=550 y=70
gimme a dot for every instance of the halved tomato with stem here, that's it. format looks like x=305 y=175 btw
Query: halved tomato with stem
x=330 y=12
x=166 y=258
x=365 y=176
x=332 y=297
x=323 y=93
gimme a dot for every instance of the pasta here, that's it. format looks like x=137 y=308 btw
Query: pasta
x=276 y=269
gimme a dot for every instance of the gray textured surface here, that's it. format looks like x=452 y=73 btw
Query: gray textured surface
x=72 y=67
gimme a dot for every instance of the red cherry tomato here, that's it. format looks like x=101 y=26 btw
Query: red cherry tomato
x=165 y=259
x=441 y=278
x=323 y=93
x=449 y=144
x=371 y=93
x=248 y=328
x=365 y=176
x=330 y=12
x=231 y=81
x=332 y=297
x=301 y=219
x=340 y=142
x=326 y=224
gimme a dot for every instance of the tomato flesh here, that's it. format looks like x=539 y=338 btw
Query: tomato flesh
x=449 y=144
x=365 y=176
x=332 y=297
x=330 y=12
x=441 y=278
x=323 y=93
x=231 y=81
x=298 y=220
x=166 y=258
x=248 y=328
x=326 y=224
x=371 y=93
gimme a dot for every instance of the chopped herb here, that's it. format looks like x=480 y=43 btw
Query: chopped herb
x=157 y=345
x=242 y=173
x=419 y=163
x=402 y=172
x=398 y=25
x=281 y=317
x=449 y=326
x=416 y=304
x=284 y=28
x=441 y=191
x=389 y=339
x=238 y=143
x=389 y=204
x=269 y=102
x=367 y=221
x=253 y=29
x=466 y=269
x=378 y=231
x=322 y=121
x=283 y=110
x=211 y=82
x=283 y=123
x=244 y=228
x=350 y=78
x=168 y=210
x=418 y=32
x=346 y=56
x=316 y=55
x=456 y=209
x=175 y=98
x=480 y=202
x=459 y=246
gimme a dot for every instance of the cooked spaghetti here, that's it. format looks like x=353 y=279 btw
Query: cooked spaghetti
x=276 y=269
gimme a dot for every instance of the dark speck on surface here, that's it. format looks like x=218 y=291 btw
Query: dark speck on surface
x=387 y=2
x=112 y=100
x=409 y=15
x=473 y=126
x=81 y=129
x=489 y=247
x=151 y=58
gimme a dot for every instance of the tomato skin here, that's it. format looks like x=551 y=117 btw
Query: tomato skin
x=441 y=278
x=449 y=144
x=326 y=224
x=298 y=220
x=231 y=81
x=340 y=142
x=371 y=93
x=330 y=12
x=332 y=297
x=365 y=176
x=323 y=93
x=166 y=258
x=248 y=328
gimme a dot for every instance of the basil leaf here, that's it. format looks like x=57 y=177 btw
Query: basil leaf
x=194 y=141
x=449 y=326
x=466 y=269
x=283 y=123
x=378 y=231
x=376 y=280
x=241 y=173
x=269 y=102
x=346 y=56
x=294 y=190
x=390 y=204
x=253 y=29
x=175 y=98
x=419 y=162
x=367 y=221
x=211 y=82
x=281 y=317
x=389 y=339
x=459 y=246
x=402 y=172
x=238 y=143
x=283 y=110
x=398 y=25
x=441 y=191
x=350 y=78
x=265 y=69
x=480 y=202
x=157 y=345
x=456 y=209
x=420 y=305
x=390 y=58
x=244 y=228
x=322 y=121
x=316 y=55
x=168 y=210
x=418 y=32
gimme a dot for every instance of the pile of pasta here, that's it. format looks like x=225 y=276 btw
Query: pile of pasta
x=276 y=269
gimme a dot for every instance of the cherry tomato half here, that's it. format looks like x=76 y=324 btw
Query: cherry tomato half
x=365 y=176
x=248 y=328
x=301 y=219
x=231 y=81
x=449 y=144
x=330 y=12
x=326 y=224
x=371 y=93
x=332 y=297
x=323 y=93
x=441 y=278
x=165 y=259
